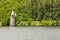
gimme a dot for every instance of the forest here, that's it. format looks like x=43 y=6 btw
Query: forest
x=31 y=12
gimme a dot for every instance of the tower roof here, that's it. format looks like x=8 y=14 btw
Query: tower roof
x=15 y=14
x=12 y=13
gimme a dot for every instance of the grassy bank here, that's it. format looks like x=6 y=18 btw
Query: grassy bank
x=39 y=23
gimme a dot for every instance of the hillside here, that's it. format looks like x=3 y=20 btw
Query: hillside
x=31 y=12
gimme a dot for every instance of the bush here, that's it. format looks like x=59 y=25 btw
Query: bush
x=38 y=23
x=35 y=23
x=59 y=23
x=48 y=23
x=0 y=24
x=29 y=21
x=23 y=23
x=5 y=22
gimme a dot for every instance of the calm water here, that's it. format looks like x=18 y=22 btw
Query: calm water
x=30 y=33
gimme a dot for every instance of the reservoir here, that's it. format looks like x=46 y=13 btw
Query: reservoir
x=29 y=33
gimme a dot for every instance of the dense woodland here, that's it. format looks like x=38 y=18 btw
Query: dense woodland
x=31 y=12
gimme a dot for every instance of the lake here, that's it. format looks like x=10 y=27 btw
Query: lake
x=29 y=33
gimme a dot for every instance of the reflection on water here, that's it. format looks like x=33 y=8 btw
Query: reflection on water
x=30 y=33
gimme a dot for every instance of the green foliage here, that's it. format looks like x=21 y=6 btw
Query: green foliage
x=38 y=23
x=23 y=23
x=48 y=22
x=41 y=11
x=35 y=23
x=0 y=24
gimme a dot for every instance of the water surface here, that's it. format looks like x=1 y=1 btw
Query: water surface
x=30 y=33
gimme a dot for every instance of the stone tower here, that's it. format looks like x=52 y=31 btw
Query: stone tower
x=13 y=19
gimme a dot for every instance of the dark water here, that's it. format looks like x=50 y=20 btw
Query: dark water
x=30 y=33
